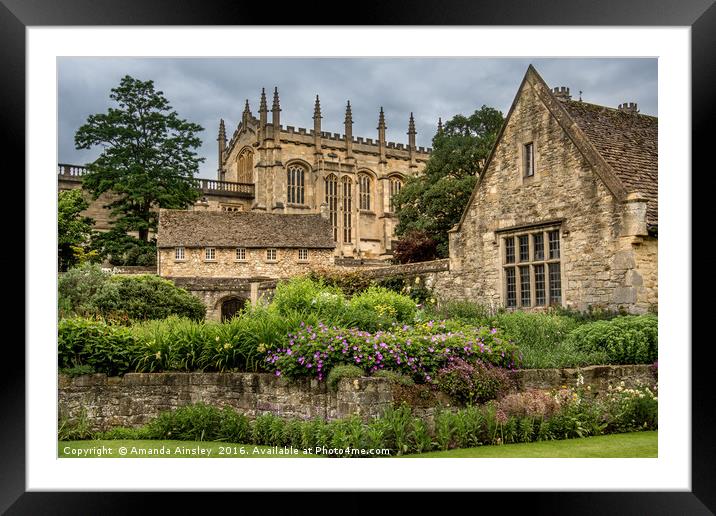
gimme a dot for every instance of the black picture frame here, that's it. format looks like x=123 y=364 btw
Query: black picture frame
x=700 y=15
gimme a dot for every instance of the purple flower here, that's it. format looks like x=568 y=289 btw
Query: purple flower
x=278 y=373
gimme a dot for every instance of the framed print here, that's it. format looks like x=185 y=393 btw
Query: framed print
x=276 y=193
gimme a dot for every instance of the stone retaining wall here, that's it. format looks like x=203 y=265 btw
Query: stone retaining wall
x=135 y=398
x=599 y=377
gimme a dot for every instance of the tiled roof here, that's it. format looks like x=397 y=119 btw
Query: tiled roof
x=243 y=229
x=628 y=143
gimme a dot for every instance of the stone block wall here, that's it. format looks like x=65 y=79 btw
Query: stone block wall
x=599 y=377
x=136 y=398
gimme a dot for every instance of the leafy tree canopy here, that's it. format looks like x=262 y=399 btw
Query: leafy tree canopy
x=148 y=159
x=433 y=202
x=74 y=231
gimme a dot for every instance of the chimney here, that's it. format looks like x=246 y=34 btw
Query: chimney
x=561 y=92
x=628 y=107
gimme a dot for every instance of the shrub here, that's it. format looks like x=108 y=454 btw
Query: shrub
x=303 y=294
x=350 y=282
x=84 y=342
x=472 y=383
x=198 y=422
x=415 y=246
x=386 y=303
x=627 y=410
x=340 y=372
x=145 y=297
x=625 y=340
x=77 y=287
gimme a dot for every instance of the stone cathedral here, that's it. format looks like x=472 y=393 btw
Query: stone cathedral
x=299 y=171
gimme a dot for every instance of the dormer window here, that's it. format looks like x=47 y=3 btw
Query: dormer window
x=528 y=159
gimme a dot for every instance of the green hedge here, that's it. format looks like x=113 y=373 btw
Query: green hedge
x=87 y=291
x=631 y=339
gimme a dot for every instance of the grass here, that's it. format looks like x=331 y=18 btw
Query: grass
x=557 y=355
x=169 y=449
x=631 y=445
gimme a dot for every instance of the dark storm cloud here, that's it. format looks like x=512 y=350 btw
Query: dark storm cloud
x=205 y=90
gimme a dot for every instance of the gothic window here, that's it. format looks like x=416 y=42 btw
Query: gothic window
x=395 y=185
x=536 y=280
x=347 y=187
x=364 y=182
x=296 y=175
x=245 y=167
x=331 y=184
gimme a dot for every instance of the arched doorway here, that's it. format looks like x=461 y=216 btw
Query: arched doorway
x=230 y=306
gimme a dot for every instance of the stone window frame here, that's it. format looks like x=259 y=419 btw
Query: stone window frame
x=332 y=200
x=304 y=252
x=346 y=208
x=395 y=184
x=269 y=252
x=528 y=138
x=210 y=254
x=365 y=190
x=239 y=252
x=180 y=253
x=518 y=265
x=296 y=184
x=245 y=165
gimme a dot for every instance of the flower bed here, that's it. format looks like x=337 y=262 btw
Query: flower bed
x=418 y=351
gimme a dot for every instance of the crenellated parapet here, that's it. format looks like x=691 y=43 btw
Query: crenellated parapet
x=261 y=130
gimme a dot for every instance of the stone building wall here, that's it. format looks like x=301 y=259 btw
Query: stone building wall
x=372 y=230
x=136 y=398
x=598 y=245
x=225 y=265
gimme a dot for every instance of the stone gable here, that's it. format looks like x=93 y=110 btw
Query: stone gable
x=604 y=245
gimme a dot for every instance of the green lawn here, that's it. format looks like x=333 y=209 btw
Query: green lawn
x=635 y=444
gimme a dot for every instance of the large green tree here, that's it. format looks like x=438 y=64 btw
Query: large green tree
x=148 y=159
x=432 y=203
x=74 y=230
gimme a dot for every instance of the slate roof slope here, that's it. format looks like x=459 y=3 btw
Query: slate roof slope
x=243 y=229
x=628 y=142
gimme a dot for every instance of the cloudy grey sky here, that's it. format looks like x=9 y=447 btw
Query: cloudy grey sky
x=203 y=90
